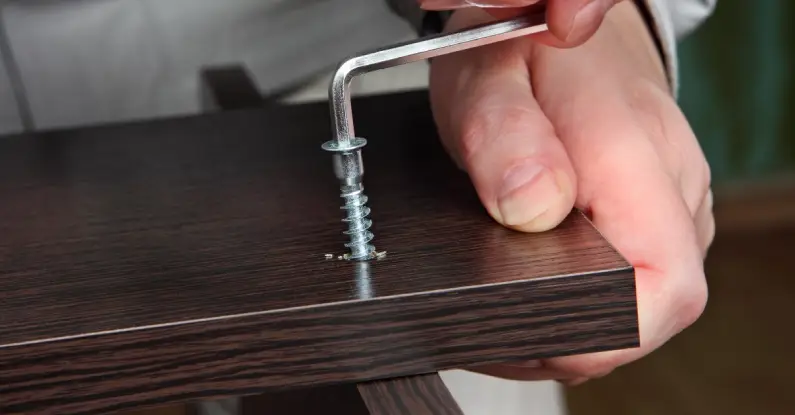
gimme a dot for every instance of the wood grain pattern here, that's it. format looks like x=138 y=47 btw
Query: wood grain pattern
x=415 y=395
x=182 y=259
x=412 y=395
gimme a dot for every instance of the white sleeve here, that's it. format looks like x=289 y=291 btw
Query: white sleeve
x=673 y=20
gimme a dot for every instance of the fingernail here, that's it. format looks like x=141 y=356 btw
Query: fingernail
x=585 y=19
x=500 y=3
x=527 y=191
x=443 y=4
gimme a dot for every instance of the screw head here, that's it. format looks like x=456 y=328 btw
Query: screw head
x=351 y=144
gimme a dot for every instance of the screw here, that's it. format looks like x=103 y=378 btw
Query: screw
x=358 y=223
x=347 y=147
x=349 y=169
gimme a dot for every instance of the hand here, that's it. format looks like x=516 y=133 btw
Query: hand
x=570 y=22
x=541 y=129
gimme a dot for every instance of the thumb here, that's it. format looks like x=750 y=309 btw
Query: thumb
x=574 y=22
x=493 y=127
x=571 y=23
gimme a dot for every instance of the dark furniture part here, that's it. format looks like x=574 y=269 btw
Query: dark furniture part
x=228 y=88
x=413 y=395
x=184 y=259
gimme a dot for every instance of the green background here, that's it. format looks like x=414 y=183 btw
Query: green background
x=737 y=88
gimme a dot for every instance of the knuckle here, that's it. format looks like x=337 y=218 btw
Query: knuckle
x=511 y=118
x=472 y=136
x=706 y=173
x=704 y=176
x=691 y=302
x=709 y=206
x=710 y=231
x=485 y=124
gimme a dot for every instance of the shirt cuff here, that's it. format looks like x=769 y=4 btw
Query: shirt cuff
x=658 y=18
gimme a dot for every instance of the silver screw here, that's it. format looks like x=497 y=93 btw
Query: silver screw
x=349 y=169
x=358 y=223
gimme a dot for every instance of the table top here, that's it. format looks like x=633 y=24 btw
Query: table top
x=124 y=227
x=151 y=227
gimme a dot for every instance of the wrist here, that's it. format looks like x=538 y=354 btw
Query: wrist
x=653 y=24
x=639 y=37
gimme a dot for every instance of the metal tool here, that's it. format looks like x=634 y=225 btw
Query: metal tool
x=346 y=147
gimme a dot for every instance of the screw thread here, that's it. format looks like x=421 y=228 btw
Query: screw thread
x=358 y=223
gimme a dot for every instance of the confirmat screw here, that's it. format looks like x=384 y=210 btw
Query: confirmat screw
x=358 y=224
x=349 y=170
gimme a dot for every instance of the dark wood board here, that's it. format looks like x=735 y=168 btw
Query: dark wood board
x=414 y=395
x=411 y=395
x=183 y=259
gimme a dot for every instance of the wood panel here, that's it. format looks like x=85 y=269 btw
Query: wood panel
x=184 y=259
x=412 y=395
x=415 y=395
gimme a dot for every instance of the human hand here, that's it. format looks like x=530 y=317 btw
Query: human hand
x=541 y=129
x=570 y=22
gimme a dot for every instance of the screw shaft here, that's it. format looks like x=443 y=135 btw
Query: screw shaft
x=356 y=217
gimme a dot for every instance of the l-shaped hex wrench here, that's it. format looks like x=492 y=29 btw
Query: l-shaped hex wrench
x=346 y=147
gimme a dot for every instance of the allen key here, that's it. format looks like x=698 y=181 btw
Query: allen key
x=346 y=147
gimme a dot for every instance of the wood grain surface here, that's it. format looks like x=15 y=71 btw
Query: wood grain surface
x=411 y=395
x=415 y=395
x=183 y=259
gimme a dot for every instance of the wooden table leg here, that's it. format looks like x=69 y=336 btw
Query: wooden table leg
x=415 y=395
x=228 y=88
